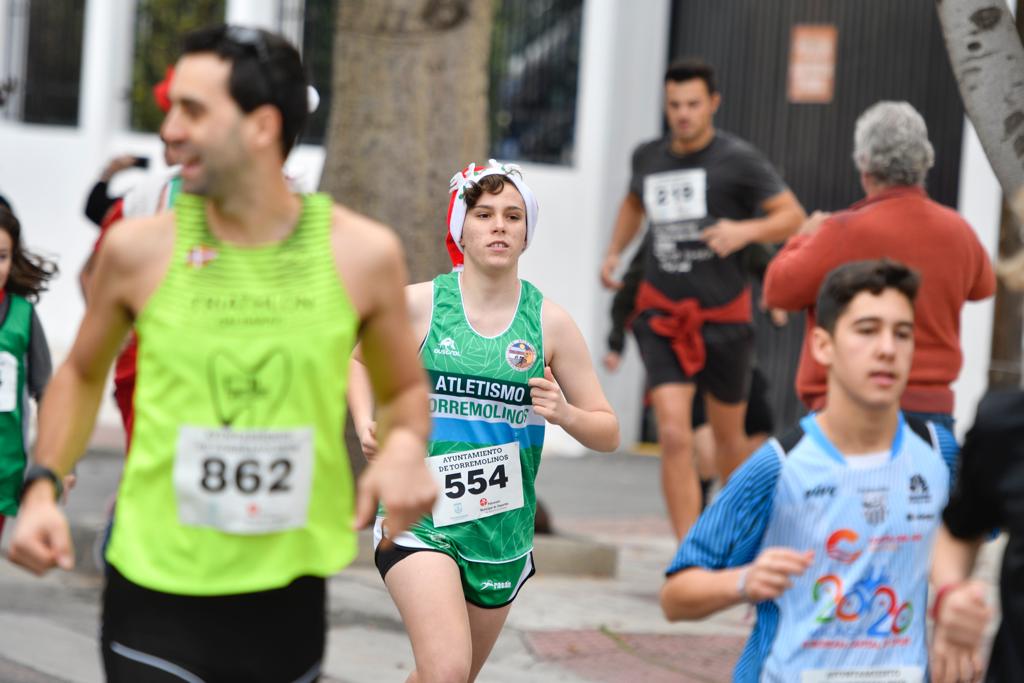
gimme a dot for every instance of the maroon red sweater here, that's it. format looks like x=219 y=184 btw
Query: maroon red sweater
x=903 y=224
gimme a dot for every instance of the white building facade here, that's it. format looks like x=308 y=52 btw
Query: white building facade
x=47 y=170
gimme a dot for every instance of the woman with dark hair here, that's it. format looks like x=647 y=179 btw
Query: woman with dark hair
x=24 y=356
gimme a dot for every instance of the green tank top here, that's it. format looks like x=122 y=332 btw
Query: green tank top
x=486 y=442
x=14 y=342
x=237 y=479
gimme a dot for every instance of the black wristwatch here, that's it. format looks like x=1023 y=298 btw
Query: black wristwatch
x=39 y=472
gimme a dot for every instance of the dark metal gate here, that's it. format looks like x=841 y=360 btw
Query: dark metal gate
x=886 y=49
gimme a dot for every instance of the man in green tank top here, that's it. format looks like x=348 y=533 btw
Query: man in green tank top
x=237 y=499
x=502 y=361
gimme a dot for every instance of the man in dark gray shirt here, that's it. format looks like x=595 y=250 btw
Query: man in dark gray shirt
x=706 y=194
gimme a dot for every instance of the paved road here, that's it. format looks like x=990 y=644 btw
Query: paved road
x=564 y=628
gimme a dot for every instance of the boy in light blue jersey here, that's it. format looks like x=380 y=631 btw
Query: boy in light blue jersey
x=828 y=528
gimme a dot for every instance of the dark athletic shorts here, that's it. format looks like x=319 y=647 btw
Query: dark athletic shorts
x=759 y=418
x=726 y=371
x=273 y=636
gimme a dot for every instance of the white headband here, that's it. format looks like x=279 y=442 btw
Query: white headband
x=472 y=175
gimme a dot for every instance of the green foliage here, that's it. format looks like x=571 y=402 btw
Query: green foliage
x=159 y=27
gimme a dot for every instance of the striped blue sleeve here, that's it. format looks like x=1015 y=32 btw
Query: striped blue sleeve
x=729 y=533
x=949 y=449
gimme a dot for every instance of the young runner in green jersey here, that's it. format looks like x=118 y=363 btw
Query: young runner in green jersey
x=237 y=500
x=24 y=355
x=502 y=361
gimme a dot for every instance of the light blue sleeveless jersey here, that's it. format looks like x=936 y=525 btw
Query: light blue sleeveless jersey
x=858 y=613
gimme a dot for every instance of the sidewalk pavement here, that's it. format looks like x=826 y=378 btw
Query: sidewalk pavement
x=565 y=627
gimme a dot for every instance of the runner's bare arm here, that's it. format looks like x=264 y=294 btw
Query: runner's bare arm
x=963 y=612
x=627 y=225
x=370 y=263
x=72 y=399
x=128 y=269
x=418 y=298
x=85 y=275
x=696 y=592
x=783 y=217
x=952 y=558
x=360 y=404
x=570 y=395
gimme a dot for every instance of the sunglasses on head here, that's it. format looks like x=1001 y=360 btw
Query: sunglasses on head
x=250 y=38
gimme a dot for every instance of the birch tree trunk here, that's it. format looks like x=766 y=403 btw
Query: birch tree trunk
x=985 y=52
x=409 y=108
x=988 y=61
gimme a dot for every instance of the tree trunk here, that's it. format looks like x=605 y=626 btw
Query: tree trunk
x=1004 y=370
x=985 y=52
x=988 y=61
x=409 y=109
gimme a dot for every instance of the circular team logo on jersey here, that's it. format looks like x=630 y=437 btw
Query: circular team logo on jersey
x=520 y=355
x=843 y=546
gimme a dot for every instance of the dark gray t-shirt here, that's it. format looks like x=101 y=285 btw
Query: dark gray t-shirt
x=682 y=195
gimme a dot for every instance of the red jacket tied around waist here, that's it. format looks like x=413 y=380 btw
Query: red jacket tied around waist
x=681 y=322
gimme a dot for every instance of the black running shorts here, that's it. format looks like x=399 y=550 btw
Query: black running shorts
x=759 y=418
x=273 y=636
x=726 y=372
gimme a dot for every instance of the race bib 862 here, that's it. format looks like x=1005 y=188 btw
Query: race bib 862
x=243 y=481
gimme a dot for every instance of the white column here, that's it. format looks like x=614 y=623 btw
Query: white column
x=5 y=37
x=626 y=65
x=980 y=203
x=14 y=55
x=622 y=63
x=99 y=93
x=262 y=13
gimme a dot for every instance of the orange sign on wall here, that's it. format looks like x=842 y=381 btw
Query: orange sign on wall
x=812 y=63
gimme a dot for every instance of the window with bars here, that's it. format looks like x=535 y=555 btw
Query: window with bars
x=42 y=58
x=534 y=72
x=160 y=26
x=534 y=69
x=309 y=25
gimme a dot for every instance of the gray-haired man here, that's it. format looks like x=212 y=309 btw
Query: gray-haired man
x=896 y=220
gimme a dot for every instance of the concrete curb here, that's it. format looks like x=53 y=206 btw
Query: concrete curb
x=559 y=554
x=87 y=539
x=575 y=555
x=554 y=555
